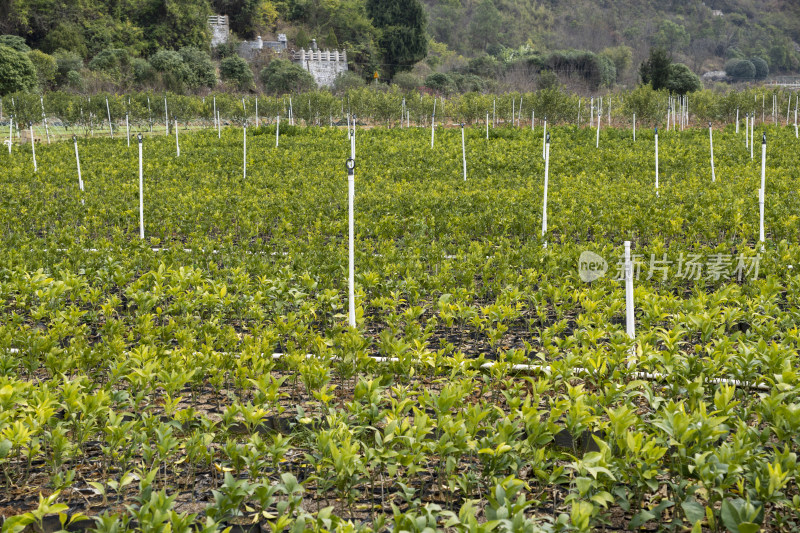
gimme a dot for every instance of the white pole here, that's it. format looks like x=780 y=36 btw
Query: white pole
x=44 y=119
x=215 y=111
x=579 y=112
x=127 y=130
x=546 y=181
x=487 y=125
x=244 y=151
x=711 y=147
x=291 y=113
x=463 y=151
x=110 y=127
x=177 y=144
x=747 y=130
x=78 y=163
x=752 y=135
x=599 y=116
x=278 y=130
x=788 y=109
x=141 y=190
x=11 y=133
x=219 y=127
x=630 y=326
x=33 y=148
x=737 y=120
x=256 y=111
x=634 y=127
x=494 y=112
x=166 y=117
x=591 y=114
x=656 y=160
x=761 y=191
x=544 y=138
x=519 y=113
x=513 y=110
x=351 y=293
x=433 y=120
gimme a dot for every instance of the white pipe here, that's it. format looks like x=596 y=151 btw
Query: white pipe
x=127 y=130
x=761 y=191
x=433 y=122
x=752 y=135
x=630 y=326
x=33 y=148
x=737 y=120
x=44 y=119
x=546 y=183
x=544 y=137
x=166 y=117
x=747 y=130
x=711 y=147
x=487 y=125
x=351 y=297
x=278 y=130
x=215 y=112
x=463 y=151
x=244 y=151
x=177 y=144
x=78 y=162
x=11 y=133
x=597 y=144
x=141 y=191
x=634 y=127
x=256 y=111
x=656 y=160
x=110 y=127
x=591 y=114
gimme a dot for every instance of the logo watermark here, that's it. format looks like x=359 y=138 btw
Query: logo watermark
x=693 y=267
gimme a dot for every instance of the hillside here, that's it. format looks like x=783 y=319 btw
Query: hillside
x=492 y=42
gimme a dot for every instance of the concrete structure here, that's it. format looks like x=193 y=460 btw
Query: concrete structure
x=323 y=65
x=250 y=49
x=220 y=29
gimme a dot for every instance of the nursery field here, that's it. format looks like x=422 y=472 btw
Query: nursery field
x=205 y=377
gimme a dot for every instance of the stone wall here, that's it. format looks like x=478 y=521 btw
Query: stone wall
x=324 y=65
x=219 y=29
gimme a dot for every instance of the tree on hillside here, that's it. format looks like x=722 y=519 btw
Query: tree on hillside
x=17 y=73
x=402 y=40
x=655 y=70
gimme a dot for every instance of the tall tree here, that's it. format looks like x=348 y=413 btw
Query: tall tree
x=656 y=69
x=402 y=39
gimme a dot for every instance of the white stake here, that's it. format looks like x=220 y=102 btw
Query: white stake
x=177 y=144
x=544 y=138
x=256 y=111
x=44 y=119
x=351 y=269
x=711 y=147
x=11 y=133
x=656 y=160
x=215 y=112
x=166 y=117
x=591 y=114
x=747 y=130
x=752 y=135
x=737 y=120
x=78 y=163
x=278 y=130
x=244 y=151
x=487 y=125
x=33 y=148
x=761 y=190
x=219 y=127
x=110 y=127
x=494 y=112
x=546 y=181
x=513 y=111
x=634 y=127
x=127 y=130
x=599 y=116
x=433 y=121
x=630 y=324
x=463 y=151
x=141 y=190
